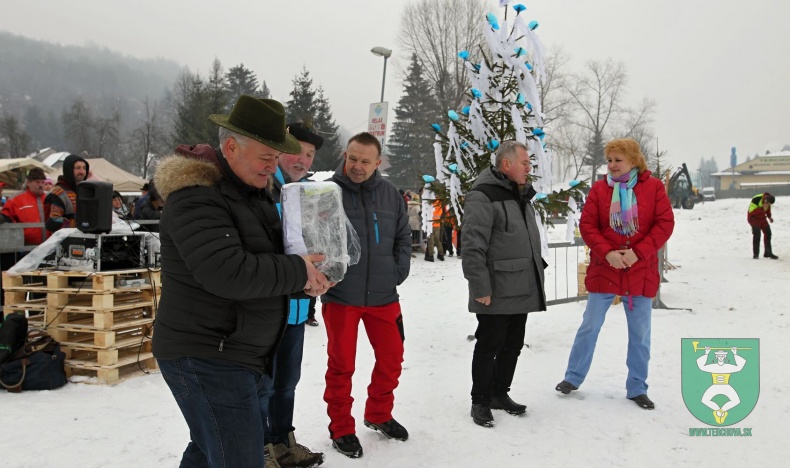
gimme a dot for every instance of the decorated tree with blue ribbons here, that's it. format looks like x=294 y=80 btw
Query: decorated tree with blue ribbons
x=503 y=104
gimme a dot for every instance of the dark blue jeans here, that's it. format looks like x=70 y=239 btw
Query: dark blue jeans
x=220 y=403
x=279 y=392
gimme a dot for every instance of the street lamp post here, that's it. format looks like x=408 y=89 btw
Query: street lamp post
x=382 y=52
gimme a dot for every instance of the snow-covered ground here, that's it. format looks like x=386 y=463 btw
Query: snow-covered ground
x=719 y=290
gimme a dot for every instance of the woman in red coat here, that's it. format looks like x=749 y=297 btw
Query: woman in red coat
x=627 y=218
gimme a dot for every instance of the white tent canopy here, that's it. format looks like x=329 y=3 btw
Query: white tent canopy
x=101 y=169
x=13 y=172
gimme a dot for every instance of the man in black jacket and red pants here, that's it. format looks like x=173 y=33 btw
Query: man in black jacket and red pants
x=226 y=282
x=367 y=293
x=758 y=217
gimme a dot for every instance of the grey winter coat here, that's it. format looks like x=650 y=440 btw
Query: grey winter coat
x=502 y=247
x=378 y=214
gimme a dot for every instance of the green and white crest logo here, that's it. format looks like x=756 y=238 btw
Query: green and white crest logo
x=720 y=378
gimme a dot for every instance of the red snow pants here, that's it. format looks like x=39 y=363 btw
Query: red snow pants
x=384 y=327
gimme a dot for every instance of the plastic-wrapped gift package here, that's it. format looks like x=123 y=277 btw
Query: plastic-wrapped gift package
x=314 y=222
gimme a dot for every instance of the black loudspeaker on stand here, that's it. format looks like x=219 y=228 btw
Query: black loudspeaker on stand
x=94 y=206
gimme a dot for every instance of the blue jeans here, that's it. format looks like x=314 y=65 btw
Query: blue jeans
x=279 y=391
x=638 y=341
x=220 y=403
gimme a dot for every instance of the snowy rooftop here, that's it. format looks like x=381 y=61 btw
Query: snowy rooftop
x=777 y=154
x=763 y=184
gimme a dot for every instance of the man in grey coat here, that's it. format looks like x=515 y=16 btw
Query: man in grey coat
x=504 y=268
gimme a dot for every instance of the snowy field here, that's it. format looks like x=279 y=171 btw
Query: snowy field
x=719 y=290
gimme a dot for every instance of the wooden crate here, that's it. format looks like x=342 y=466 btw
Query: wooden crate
x=87 y=357
x=82 y=311
x=104 y=327
x=580 y=280
x=77 y=337
x=127 y=367
x=74 y=282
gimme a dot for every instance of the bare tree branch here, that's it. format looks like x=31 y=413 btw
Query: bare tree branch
x=436 y=30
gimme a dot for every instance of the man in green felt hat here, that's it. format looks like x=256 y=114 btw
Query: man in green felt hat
x=224 y=309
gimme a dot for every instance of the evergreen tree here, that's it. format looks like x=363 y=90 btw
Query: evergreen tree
x=706 y=168
x=107 y=136
x=78 y=123
x=217 y=90
x=302 y=104
x=265 y=91
x=45 y=130
x=503 y=105
x=14 y=140
x=311 y=106
x=411 y=146
x=190 y=123
x=328 y=157
x=241 y=80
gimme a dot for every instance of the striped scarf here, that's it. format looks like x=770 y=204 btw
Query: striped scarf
x=623 y=213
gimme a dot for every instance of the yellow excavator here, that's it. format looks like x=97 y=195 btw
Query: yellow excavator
x=680 y=189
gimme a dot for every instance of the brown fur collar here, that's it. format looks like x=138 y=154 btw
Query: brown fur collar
x=176 y=172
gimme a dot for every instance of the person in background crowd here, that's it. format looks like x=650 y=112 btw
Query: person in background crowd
x=415 y=221
x=436 y=237
x=153 y=205
x=447 y=235
x=118 y=206
x=367 y=293
x=627 y=218
x=503 y=264
x=28 y=207
x=279 y=390
x=758 y=217
x=228 y=279
x=60 y=206
x=2 y=197
x=48 y=183
x=138 y=202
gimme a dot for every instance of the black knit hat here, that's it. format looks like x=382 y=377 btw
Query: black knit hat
x=304 y=132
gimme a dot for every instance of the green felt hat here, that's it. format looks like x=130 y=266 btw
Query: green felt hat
x=262 y=120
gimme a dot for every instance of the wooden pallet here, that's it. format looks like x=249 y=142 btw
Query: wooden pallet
x=74 y=337
x=50 y=281
x=93 y=358
x=104 y=329
x=126 y=368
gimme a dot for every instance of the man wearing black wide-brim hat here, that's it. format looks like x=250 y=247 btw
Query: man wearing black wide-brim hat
x=226 y=281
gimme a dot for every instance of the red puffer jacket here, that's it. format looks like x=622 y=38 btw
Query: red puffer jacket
x=656 y=222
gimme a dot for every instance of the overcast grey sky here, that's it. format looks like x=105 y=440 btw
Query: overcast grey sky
x=717 y=69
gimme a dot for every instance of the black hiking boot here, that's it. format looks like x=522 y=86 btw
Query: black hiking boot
x=565 y=387
x=429 y=258
x=643 y=401
x=770 y=255
x=348 y=445
x=481 y=415
x=392 y=429
x=440 y=257
x=507 y=404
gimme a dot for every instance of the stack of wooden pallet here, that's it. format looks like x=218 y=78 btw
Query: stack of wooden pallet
x=104 y=321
